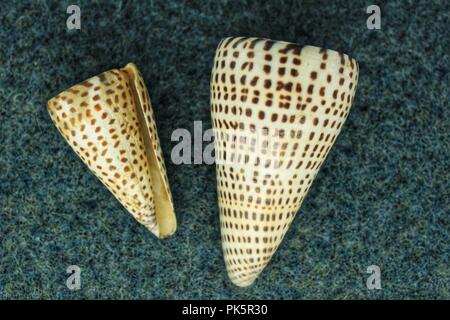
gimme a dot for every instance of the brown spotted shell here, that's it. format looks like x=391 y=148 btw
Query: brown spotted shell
x=109 y=122
x=277 y=109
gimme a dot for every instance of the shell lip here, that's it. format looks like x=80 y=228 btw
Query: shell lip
x=163 y=203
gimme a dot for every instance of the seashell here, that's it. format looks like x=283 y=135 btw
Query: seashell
x=109 y=122
x=277 y=109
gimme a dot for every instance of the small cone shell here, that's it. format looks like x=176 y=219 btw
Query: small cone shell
x=108 y=121
x=277 y=109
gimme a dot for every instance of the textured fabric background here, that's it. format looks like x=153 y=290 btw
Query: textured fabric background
x=382 y=196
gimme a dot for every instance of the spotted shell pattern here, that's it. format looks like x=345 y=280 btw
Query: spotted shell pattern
x=283 y=105
x=109 y=122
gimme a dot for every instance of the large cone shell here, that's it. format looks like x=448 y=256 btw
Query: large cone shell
x=277 y=109
x=108 y=121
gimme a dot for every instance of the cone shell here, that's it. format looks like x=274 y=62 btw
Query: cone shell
x=109 y=122
x=277 y=109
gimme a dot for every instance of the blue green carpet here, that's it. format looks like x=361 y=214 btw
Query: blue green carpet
x=382 y=196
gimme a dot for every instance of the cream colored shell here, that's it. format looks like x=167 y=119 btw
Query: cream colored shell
x=109 y=122
x=277 y=109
